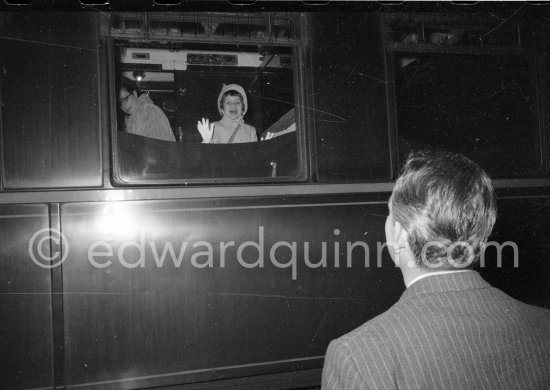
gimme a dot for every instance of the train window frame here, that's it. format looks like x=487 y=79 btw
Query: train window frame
x=528 y=159
x=408 y=41
x=296 y=137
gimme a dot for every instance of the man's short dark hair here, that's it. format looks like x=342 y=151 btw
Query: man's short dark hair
x=447 y=204
x=128 y=85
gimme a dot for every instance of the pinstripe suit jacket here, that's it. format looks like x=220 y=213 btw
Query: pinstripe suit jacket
x=450 y=331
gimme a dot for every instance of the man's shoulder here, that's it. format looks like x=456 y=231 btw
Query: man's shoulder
x=503 y=304
x=370 y=349
x=378 y=330
x=538 y=316
x=151 y=108
x=147 y=112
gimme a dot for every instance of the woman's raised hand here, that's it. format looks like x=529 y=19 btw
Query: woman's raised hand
x=206 y=129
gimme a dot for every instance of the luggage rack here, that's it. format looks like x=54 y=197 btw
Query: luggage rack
x=251 y=27
x=457 y=33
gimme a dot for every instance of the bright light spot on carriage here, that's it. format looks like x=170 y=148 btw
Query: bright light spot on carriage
x=117 y=222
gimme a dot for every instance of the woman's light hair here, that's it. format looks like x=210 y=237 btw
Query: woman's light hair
x=444 y=198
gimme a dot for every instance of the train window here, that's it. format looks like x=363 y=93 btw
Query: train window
x=466 y=87
x=184 y=81
x=481 y=105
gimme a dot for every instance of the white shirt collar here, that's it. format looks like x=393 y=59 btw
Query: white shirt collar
x=434 y=274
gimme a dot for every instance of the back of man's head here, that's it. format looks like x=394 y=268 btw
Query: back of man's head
x=446 y=203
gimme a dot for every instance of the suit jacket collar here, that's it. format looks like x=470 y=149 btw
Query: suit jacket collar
x=455 y=281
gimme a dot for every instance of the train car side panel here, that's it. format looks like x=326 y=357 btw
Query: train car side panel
x=183 y=291
x=50 y=112
x=26 y=338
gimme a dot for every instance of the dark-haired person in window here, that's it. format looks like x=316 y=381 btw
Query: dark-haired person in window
x=232 y=105
x=143 y=117
x=450 y=329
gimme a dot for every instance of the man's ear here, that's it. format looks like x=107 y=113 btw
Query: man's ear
x=401 y=236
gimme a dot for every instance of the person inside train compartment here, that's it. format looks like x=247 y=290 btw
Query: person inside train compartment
x=142 y=116
x=231 y=128
x=450 y=329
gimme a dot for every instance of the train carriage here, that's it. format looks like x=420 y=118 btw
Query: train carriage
x=131 y=262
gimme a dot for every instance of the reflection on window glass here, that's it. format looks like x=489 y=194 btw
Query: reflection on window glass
x=246 y=94
x=482 y=106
